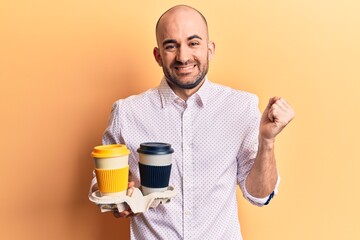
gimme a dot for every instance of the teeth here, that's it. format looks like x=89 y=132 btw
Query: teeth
x=185 y=68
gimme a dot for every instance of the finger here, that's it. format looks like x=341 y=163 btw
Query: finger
x=122 y=214
x=277 y=108
x=129 y=192
x=131 y=184
x=280 y=105
x=126 y=213
x=130 y=189
x=277 y=111
x=272 y=101
x=280 y=116
x=273 y=109
x=117 y=214
x=273 y=114
x=132 y=215
x=284 y=109
x=283 y=105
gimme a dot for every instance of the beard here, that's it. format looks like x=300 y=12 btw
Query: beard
x=189 y=85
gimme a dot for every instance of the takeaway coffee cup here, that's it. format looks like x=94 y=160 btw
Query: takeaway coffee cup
x=154 y=166
x=111 y=169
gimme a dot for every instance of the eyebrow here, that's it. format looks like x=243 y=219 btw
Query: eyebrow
x=174 y=41
x=194 y=36
x=169 y=41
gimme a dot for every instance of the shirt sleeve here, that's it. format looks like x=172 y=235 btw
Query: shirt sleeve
x=248 y=151
x=262 y=201
x=112 y=133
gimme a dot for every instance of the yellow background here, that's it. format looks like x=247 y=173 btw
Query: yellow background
x=63 y=63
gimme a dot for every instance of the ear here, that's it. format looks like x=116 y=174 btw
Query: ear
x=211 y=50
x=157 y=56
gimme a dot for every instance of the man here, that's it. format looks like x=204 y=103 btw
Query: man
x=219 y=137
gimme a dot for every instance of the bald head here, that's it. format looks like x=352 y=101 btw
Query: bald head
x=184 y=49
x=177 y=14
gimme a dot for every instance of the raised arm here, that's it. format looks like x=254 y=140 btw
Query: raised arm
x=263 y=175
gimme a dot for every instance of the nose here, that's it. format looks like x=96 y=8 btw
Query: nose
x=183 y=54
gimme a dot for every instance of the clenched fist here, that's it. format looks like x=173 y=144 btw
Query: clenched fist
x=275 y=117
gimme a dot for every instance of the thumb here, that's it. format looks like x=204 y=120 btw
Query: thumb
x=272 y=101
x=268 y=111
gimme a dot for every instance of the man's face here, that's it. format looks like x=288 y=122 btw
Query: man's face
x=183 y=48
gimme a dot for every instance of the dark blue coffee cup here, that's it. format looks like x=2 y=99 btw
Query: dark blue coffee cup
x=154 y=166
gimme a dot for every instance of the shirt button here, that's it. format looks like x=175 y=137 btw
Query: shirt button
x=187 y=213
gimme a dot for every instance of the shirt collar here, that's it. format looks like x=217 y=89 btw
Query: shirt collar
x=168 y=96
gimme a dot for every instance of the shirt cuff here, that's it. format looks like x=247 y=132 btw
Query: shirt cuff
x=265 y=200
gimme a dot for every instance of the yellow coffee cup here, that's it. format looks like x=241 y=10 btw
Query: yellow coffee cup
x=112 y=169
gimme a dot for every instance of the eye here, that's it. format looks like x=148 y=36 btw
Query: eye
x=170 y=47
x=194 y=44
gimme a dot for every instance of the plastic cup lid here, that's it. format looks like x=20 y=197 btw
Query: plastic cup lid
x=112 y=150
x=155 y=148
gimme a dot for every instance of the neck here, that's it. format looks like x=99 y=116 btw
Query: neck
x=185 y=93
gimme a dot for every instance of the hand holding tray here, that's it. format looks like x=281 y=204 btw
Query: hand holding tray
x=137 y=202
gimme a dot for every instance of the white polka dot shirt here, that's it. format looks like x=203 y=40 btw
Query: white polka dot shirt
x=215 y=137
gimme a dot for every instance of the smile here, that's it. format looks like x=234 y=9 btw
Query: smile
x=185 y=68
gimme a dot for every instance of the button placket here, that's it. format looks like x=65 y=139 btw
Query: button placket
x=187 y=172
